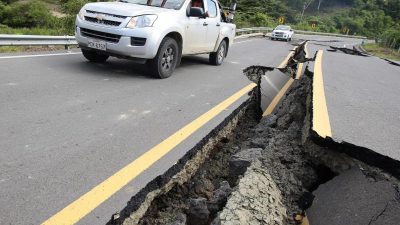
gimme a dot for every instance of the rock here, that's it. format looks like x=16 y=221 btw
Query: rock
x=297 y=111
x=216 y=221
x=257 y=200
x=284 y=121
x=179 y=220
x=269 y=121
x=258 y=143
x=220 y=196
x=294 y=130
x=203 y=187
x=240 y=161
x=198 y=212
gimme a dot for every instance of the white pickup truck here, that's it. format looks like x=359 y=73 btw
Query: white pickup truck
x=158 y=32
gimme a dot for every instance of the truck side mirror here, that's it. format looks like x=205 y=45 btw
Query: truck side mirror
x=197 y=12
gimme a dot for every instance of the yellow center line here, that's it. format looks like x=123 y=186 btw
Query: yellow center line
x=287 y=85
x=92 y=199
x=301 y=65
x=299 y=70
x=321 y=123
x=277 y=98
x=285 y=61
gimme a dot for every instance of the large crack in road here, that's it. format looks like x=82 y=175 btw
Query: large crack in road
x=256 y=170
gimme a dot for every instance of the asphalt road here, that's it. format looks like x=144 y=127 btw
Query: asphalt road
x=361 y=97
x=67 y=125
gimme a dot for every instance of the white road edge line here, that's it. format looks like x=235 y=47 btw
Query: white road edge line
x=43 y=55
x=77 y=53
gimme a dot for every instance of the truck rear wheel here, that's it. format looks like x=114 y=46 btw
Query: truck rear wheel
x=163 y=65
x=93 y=56
x=216 y=58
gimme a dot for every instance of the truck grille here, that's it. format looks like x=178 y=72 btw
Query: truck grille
x=105 y=22
x=114 y=38
x=107 y=14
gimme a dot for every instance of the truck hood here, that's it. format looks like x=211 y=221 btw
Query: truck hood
x=123 y=9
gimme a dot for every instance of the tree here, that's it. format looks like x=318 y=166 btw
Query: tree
x=307 y=3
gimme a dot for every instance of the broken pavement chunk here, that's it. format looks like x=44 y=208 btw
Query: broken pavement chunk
x=352 y=198
x=350 y=51
x=240 y=161
x=198 y=212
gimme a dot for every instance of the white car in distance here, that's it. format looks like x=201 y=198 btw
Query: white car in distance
x=282 y=32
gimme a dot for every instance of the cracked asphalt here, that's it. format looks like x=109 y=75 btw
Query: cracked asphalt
x=361 y=97
x=67 y=125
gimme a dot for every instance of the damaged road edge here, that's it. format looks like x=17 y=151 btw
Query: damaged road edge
x=180 y=172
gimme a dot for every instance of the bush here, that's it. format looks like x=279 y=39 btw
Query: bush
x=72 y=7
x=391 y=38
x=27 y=14
x=261 y=20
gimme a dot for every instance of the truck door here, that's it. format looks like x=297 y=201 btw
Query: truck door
x=213 y=24
x=196 y=31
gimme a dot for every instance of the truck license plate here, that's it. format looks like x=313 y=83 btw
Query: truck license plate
x=100 y=45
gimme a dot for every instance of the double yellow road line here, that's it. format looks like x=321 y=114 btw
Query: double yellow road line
x=288 y=84
x=85 y=204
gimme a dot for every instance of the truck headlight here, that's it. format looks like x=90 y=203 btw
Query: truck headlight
x=81 y=14
x=142 y=21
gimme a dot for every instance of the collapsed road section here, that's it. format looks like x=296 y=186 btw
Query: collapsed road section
x=268 y=170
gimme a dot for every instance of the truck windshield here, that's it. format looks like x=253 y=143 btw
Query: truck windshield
x=169 y=4
x=282 y=28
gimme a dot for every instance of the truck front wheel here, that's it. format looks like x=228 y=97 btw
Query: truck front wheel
x=216 y=58
x=93 y=56
x=163 y=65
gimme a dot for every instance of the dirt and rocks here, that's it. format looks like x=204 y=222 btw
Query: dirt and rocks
x=274 y=188
x=198 y=200
x=265 y=171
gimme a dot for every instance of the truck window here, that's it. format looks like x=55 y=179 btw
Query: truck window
x=169 y=4
x=212 y=8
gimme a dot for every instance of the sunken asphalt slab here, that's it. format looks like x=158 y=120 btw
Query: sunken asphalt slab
x=66 y=124
x=353 y=198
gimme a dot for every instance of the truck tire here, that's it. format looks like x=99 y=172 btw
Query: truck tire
x=216 y=58
x=93 y=56
x=163 y=65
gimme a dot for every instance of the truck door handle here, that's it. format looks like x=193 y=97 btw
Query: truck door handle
x=218 y=24
x=205 y=24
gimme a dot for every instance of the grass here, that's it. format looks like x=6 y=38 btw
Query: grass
x=44 y=48
x=382 y=52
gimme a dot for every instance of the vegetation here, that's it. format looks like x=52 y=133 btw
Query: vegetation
x=383 y=52
x=39 y=16
x=377 y=19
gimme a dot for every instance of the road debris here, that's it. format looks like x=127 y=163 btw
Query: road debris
x=356 y=198
x=353 y=51
x=259 y=170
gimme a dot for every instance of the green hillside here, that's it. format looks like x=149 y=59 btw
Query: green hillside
x=379 y=19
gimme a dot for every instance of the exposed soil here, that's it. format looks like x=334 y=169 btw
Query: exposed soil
x=276 y=143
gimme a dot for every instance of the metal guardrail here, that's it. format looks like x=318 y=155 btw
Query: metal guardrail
x=269 y=29
x=31 y=40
